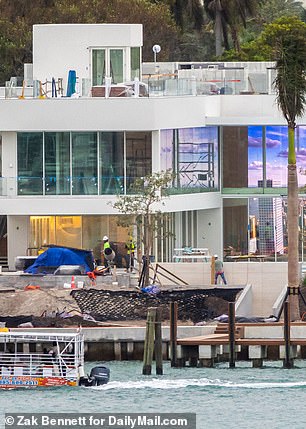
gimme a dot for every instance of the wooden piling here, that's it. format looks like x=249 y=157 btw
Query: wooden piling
x=149 y=342
x=231 y=333
x=287 y=361
x=212 y=271
x=158 y=348
x=173 y=333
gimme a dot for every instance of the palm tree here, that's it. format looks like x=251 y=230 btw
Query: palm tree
x=287 y=37
x=229 y=15
x=215 y=12
x=187 y=10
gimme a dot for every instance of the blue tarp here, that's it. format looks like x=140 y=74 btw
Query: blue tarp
x=56 y=256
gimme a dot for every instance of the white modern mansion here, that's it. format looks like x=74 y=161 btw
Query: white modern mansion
x=88 y=118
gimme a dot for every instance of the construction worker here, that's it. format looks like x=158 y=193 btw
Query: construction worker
x=130 y=254
x=219 y=271
x=107 y=250
x=106 y=243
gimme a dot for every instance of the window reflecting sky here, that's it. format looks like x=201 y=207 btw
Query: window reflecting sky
x=276 y=155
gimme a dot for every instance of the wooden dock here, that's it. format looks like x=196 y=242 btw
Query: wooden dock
x=255 y=342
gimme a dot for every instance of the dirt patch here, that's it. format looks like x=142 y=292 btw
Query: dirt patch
x=37 y=303
x=58 y=308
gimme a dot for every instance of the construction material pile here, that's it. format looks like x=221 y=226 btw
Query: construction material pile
x=195 y=305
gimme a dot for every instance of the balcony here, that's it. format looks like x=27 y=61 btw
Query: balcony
x=24 y=186
x=183 y=83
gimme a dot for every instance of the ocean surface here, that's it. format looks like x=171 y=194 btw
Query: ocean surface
x=223 y=398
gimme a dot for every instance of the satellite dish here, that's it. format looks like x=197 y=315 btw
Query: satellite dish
x=156 y=49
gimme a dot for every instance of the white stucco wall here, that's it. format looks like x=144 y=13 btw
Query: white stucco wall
x=266 y=278
x=210 y=230
x=9 y=163
x=58 y=48
x=17 y=229
x=138 y=114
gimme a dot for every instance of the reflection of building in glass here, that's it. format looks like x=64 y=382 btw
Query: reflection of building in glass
x=194 y=156
x=253 y=234
x=270 y=227
x=269 y=183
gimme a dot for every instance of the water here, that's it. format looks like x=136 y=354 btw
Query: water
x=242 y=397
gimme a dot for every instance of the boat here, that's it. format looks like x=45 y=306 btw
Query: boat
x=29 y=359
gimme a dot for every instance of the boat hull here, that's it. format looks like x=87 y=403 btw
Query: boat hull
x=9 y=382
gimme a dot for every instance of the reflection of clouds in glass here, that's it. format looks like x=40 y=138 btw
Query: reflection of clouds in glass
x=166 y=149
x=278 y=131
x=255 y=165
x=275 y=166
x=254 y=178
x=196 y=135
x=272 y=143
x=302 y=131
x=301 y=154
x=283 y=154
x=255 y=141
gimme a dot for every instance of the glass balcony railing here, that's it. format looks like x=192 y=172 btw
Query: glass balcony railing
x=183 y=83
x=38 y=186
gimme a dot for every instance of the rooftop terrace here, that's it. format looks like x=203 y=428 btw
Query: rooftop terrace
x=158 y=80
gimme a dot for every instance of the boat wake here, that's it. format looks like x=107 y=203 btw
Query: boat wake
x=201 y=382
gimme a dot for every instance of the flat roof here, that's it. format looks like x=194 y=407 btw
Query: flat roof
x=34 y=336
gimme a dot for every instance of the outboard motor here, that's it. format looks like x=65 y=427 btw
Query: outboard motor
x=98 y=375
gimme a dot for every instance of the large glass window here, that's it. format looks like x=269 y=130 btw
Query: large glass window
x=83 y=232
x=138 y=156
x=235 y=157
x=300 y=139
x=84 y=164
x=98 y=66
x=167 y=149
x=57 y=163
x=116 y=65
x=197 y=158
x=192 y=154
x=235 y=226
x=256 y=228
x=30 y=163
x=255 y=157
x=135 y=63
x=111 y=162
x=42 y=232
x=276 y=156
x=68 y=231
x=74 y=163
x=267 y=222
x=107 y=62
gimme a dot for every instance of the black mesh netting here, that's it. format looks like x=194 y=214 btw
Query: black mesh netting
x=195 y=305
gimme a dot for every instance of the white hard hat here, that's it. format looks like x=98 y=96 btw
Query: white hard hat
x=215 y=256
x=105 y=238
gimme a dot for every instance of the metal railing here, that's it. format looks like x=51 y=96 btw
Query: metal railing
x=186 y=83
x=38 y=365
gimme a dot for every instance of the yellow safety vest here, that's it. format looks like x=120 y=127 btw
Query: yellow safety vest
x=130 y=245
